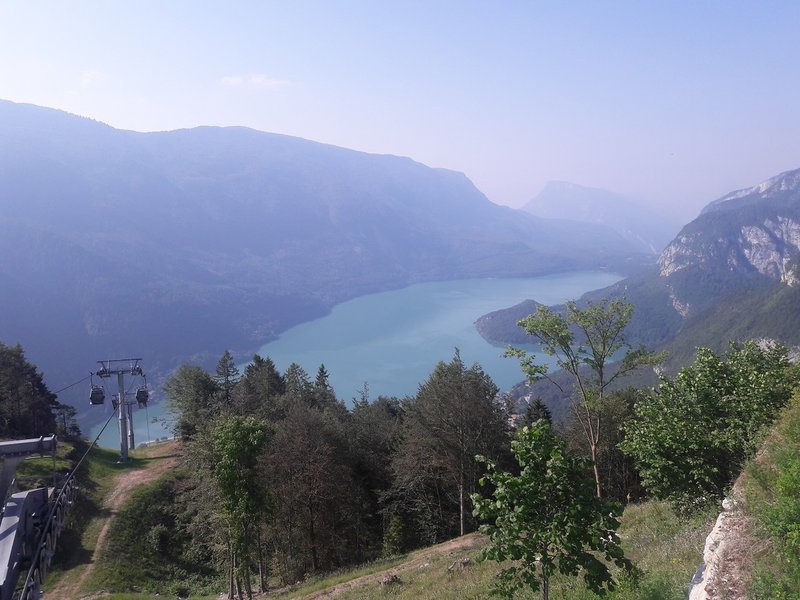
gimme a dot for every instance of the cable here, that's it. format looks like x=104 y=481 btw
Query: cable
x=72 y=384
x=64 y=489
x=85 y=454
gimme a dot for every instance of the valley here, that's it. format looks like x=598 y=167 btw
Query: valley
x=391 y=340
x=374 y=301
x=177 y=245
x=430 y=301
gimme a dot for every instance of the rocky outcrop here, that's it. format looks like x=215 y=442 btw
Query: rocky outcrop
x=747 y=236
x=727 y=557
x=771 y=247
x=768 y=248
x=786 y=182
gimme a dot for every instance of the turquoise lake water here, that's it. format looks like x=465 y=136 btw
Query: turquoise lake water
x=393 y=340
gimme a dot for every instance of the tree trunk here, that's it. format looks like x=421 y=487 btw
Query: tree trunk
x=248 y=586
x=593 y=449
x=545 y=588
x=236 y=579
x=262 y=565
x=312 y=538
x=239 y=587
x=231 y=590
x=461 y=501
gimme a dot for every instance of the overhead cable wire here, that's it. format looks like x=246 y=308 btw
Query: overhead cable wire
x=73 y=384
x=64 y=487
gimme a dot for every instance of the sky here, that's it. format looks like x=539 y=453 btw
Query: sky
x=671 y=103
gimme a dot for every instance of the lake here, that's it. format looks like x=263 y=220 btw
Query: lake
x=393 y=340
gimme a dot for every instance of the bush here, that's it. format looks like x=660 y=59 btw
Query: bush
x=691 y=436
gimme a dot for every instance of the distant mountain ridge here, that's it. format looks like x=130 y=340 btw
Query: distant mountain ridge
x=641 y=226
x=731 y=273
x=176 y=245
x=745 y=238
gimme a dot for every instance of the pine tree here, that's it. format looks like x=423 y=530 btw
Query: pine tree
x=259 y=390
x=323 y=394
x=454 y=416
x=536 y=409
x=227 y=376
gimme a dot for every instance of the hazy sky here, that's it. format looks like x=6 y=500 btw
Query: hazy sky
x=675 y=103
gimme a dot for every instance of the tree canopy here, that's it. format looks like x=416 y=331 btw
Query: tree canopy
x=692 y=434
x=585 y=341
x=545 y=519
x=26 y=404
x=454 y=416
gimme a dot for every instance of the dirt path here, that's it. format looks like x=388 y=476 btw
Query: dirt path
x=416 y=560
x=159 y=461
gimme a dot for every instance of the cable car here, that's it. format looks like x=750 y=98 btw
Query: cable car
x=142 y=396
x=97 y=395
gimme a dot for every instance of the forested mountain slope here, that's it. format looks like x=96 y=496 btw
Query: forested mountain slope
x=730 y=273
x=175 y=245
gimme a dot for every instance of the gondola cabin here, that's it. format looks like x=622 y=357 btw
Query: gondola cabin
x=97 y=395
x=142 y=395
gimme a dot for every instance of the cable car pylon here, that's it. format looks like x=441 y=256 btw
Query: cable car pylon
x=107 y=369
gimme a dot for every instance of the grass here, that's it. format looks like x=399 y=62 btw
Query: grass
x=323 y=582
x=95 y=478
x=151 y=597
x=771 y=490
x=37 y=471
x=667 y=548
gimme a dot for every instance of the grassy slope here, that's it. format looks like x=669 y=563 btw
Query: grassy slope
x=667 y=548
x=78 y=540
x=771 y=489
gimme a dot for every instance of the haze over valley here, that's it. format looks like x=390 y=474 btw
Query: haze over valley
x=182 y=244
x=423 y=300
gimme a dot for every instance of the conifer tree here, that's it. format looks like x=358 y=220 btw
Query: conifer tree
x=453 y=417
x=259 y=390
x=227 y=376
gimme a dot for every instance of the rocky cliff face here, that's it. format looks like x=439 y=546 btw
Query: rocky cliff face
x=742 y=249
x=743 y=236
x=768 y=247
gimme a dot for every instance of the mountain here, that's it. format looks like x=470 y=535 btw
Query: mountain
x=646 y=229
x=732 y=273
x=176 y=245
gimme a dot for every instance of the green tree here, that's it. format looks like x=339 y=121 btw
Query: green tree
x=190 y=394
x=691 y=436
x=372 y=432
x=26 y=404
x=547 y=519
x=585 y=341
x=454 y=416
x=227 y=376
x=299 y=389
x=536 y=409
x=237 y=446
x=618 y=474
x=66 y=422
x=324 y=396
x=309 y=477
x=260 y=389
